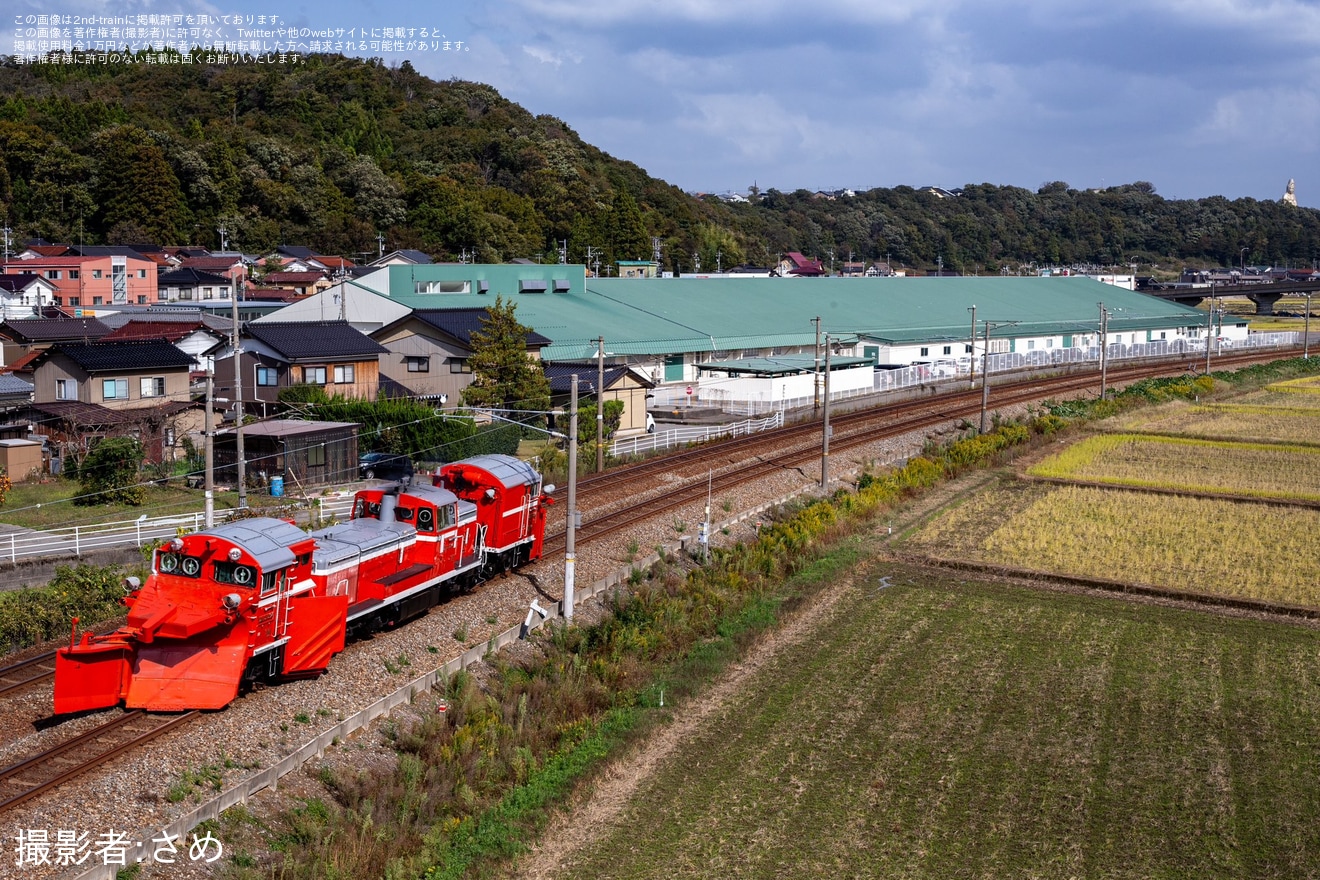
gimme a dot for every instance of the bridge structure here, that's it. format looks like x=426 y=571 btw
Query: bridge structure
x=1263 y=295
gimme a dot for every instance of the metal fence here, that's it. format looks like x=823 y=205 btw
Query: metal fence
x=20 y=543
x=685 y=434
x=926 y=374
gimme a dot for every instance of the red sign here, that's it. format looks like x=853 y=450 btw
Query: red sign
x=689 y=389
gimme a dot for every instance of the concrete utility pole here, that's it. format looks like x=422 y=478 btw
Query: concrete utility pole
x=825 y=433
x=238 y=404
x=985 y=376
x=600 y=404
x=815 y=402
x=1306 y=332
x=209 y=447
x=1104 y=349
x=570 y=551
x=973 y=358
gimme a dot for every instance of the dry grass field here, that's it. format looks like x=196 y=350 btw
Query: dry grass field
x=1223 y=421
x=943 y=728
x=1255 y=470
x=1209 y=545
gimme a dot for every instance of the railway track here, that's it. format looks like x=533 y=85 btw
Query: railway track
x=798 y=444
x=79 y=754
x=26 y=673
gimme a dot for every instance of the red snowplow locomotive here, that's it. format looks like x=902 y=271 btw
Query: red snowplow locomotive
x=262 y=599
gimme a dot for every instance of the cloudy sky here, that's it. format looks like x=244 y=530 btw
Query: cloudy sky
x=1199 y=97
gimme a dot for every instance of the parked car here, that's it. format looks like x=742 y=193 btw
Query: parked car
x=385 y=466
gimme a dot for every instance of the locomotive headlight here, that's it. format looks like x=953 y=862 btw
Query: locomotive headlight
x=231 y=601
x=490 y=494
x=176 y=545
x=235 y=554
x=131 y=584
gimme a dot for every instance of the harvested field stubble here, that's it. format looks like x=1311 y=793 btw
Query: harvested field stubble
x=1208 y=545
x=1295 y=424
x=941 y=729
x=1255 y=470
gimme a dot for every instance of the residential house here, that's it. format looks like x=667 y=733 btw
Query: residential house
x=300 y=283
x=404 y=257
x=232 y=266
x=194 y=338
x=428 y=350
x=86 y=391
x=188 y=285
x=798 y=266
x=621 y=383
x=23 y=295
x=29 y=335
x=329 y=354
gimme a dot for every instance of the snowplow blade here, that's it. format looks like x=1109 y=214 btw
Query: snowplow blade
x=176 y=678
x=91 y=677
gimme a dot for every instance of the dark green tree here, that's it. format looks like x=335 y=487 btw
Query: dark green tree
x=109 y=473
x=137 y=187
x=504 y=376
x=628 y=239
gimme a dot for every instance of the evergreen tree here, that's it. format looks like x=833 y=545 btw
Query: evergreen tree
x=138 y=188
x=628 y=237
x=504 y=376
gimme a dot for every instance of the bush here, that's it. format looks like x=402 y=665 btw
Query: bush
x=109 y=473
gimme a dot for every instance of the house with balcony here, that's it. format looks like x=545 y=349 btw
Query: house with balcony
x=329 y=354
x=111 y=276
x=191 y=285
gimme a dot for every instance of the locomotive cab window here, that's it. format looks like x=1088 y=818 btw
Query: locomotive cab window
x=234 y=573
x=444 y=516
x=425 y=519
x=403 y=514
x=272 y=581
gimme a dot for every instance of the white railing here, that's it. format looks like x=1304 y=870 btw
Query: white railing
x=685 y=434
x=927 y=374
x=23 y=543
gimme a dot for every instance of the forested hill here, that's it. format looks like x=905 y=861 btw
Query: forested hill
x=330 y=152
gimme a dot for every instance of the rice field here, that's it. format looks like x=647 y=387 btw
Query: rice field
x=1305 y=385
x=1283 y=399
x=1208 y=545
x=1229 y=421
x=939 y=728
x=1255 y=470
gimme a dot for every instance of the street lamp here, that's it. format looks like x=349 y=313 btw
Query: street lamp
x=1244 y=261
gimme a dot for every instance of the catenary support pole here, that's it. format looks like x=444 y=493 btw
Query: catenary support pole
x=209 y=447
x=570 y=552
x=239 y=452
x=825 y=433
x=600 y=404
